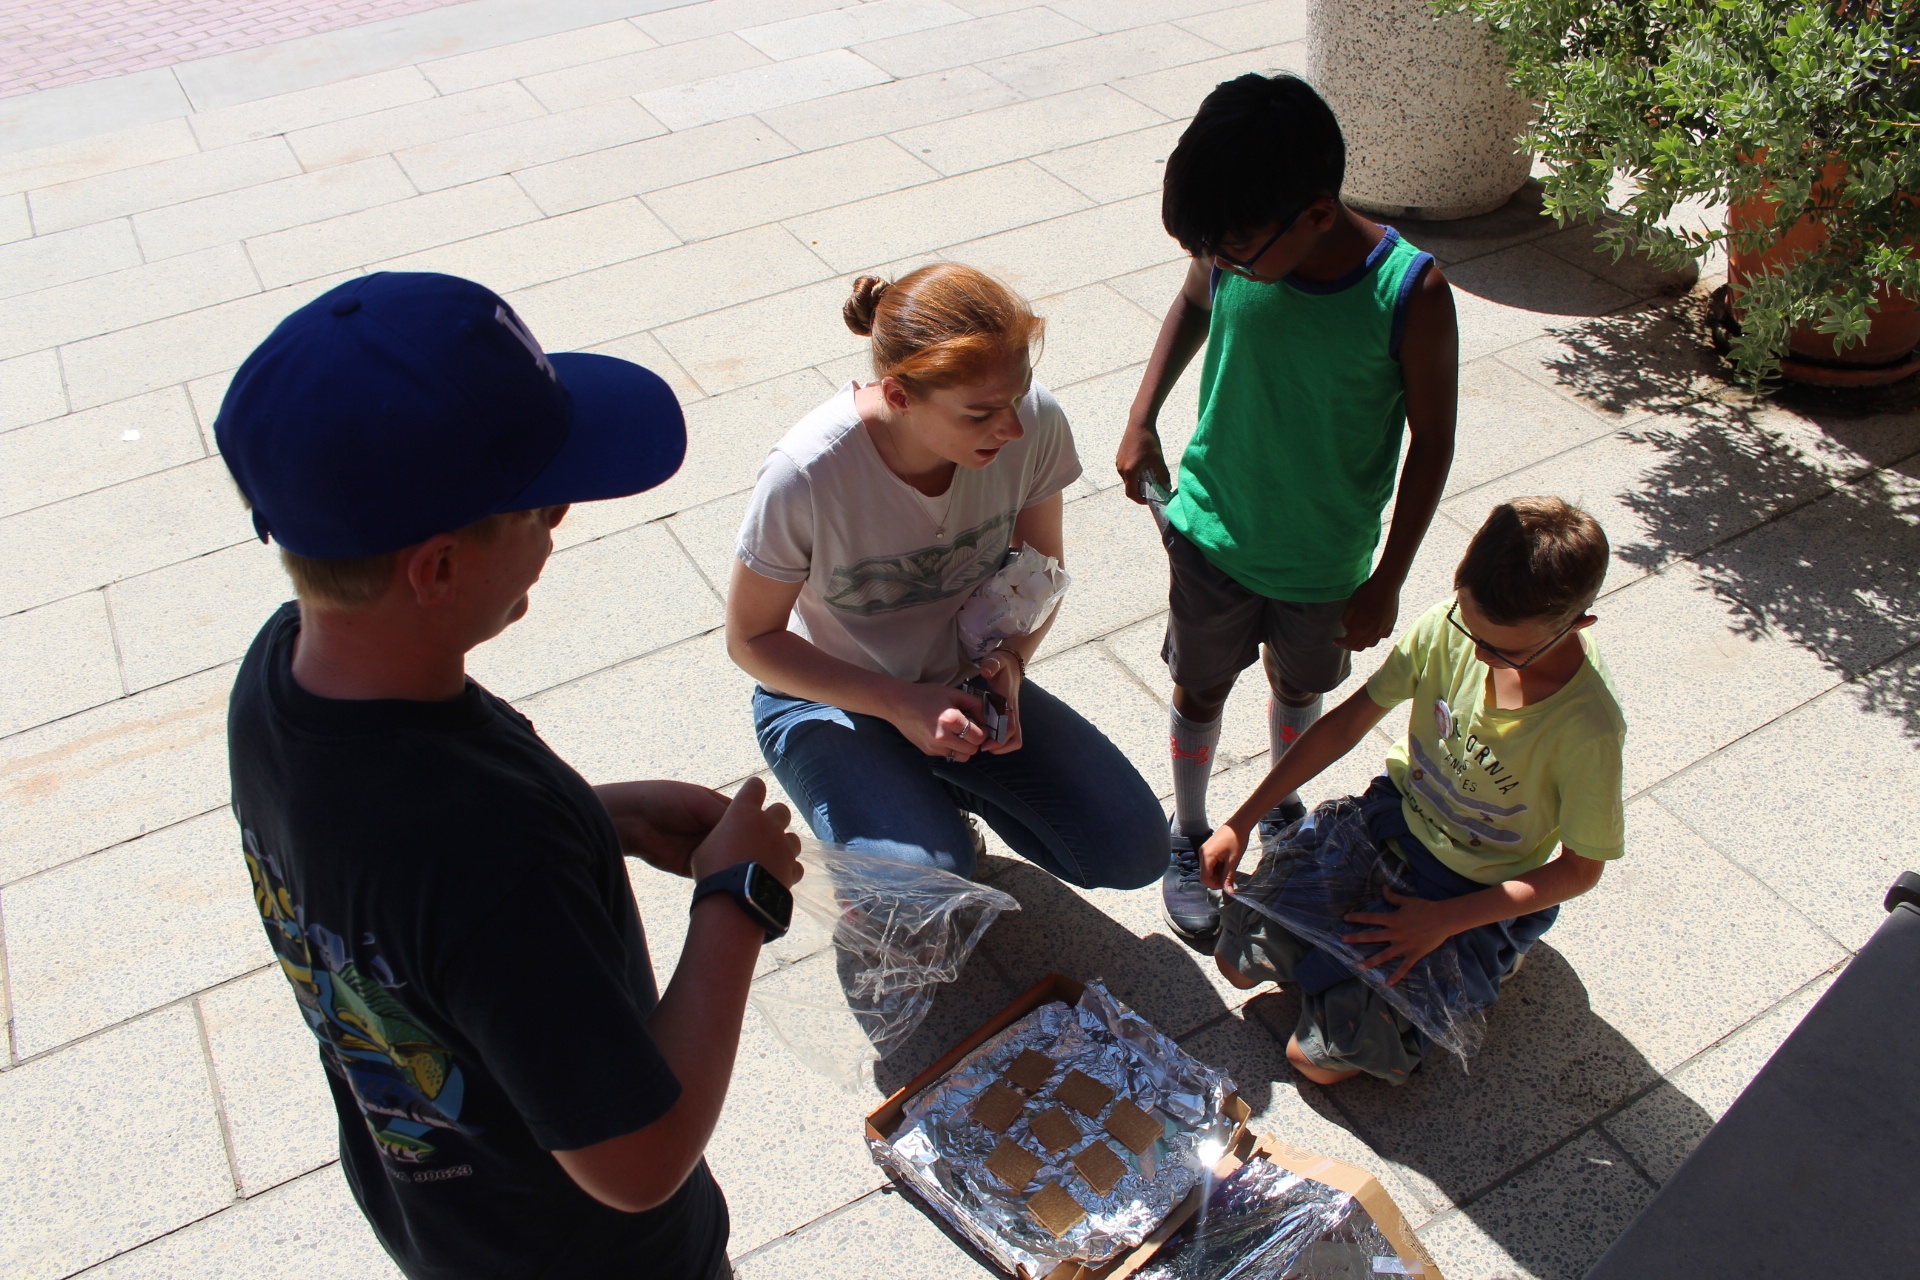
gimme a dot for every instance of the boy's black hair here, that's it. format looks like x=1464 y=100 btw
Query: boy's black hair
x=1259 y=150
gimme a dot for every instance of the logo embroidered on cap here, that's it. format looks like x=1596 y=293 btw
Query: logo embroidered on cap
x=519 y=330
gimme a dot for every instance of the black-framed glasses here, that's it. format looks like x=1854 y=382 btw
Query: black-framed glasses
x=1453 y=620
x=1244 y=266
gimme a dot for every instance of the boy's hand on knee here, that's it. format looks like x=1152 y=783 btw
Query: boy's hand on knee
x=1412 y=932
x=1220 y=857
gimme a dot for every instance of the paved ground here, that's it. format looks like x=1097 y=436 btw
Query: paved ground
x=44 y=43
x=693 y=188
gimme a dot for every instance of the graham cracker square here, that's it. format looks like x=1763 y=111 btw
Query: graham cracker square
x=1100 y=1167
x=1056 y=1209
x=1083 y=1093
x=1031 y=1070
x=1013 y=1164
x=998 y=1107
x=1056 y=1129
x=1136 y=1129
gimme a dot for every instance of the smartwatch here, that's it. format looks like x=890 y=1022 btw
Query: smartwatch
x=765 y=900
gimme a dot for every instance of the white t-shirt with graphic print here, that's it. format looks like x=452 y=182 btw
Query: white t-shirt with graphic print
x=883 y=586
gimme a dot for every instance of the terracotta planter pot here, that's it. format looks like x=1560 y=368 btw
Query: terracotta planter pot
x=1889 y=352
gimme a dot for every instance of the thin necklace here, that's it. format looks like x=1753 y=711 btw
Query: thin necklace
x=953 y=482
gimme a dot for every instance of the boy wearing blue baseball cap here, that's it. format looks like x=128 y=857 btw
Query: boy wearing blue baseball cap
x=446 y=896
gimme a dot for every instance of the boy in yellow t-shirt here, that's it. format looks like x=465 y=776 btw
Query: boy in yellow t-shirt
x=1512 y=750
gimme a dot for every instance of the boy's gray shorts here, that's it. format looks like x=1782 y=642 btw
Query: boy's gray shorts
x=1347 y=1026
x=1215 y=627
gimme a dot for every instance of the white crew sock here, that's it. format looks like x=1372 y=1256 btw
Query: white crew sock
x=1285 y=723
x=1193 y=745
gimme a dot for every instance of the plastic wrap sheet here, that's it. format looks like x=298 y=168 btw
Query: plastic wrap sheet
x=1013 y=602
x=1266 y=1223
x=1313 y=874
x=940 y=1150
x=872 y=938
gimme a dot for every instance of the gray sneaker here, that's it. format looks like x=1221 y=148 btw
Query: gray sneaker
x=1192 y=909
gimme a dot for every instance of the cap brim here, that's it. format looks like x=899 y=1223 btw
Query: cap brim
x=628 y=434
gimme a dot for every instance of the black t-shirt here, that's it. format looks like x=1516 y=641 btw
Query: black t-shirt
x=450 y=903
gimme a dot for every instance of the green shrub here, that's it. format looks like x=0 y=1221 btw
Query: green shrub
x=1720 y=100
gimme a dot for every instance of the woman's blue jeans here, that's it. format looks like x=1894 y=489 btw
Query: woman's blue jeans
x=1068 y=801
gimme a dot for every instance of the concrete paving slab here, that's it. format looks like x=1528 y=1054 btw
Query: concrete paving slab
x=1694 y=673
x=1121 y=15
x=1634 y=272
x=109 y=534
x=146 y=357
x=785 y=188
x=389 y=231
x=523 y=144
x=91 y=152
x=165 y=182
x=710 y=532
x=638 y=167
x=645 y=350
x=781 y=84
x=56 y=660
x=1178 y=91
x=548 y=249
x=678 y=23
x=1067 y=252
x=649 y=69
x=216 y=221
x=31 y=390
x=525 y=58
x=883 y=1224
x=944 y=47
x=134 y=1155
x=1517 y=294
x=1025 y=129
x=108 y=937
x=122 y=299
x=307 y=108
x=1551 y=1221
x=1660 y=1130
x=95 y=448
x=1251 y=26
x=306 y=1228
x=58 y=258
x=1091 y=331
x=274 y=1100
x=1506 y=421
x=584 y=614
x=883 y=108
x=1850 y=833
x=1841 y=447
x=1097 y=60
x=1098 y=409
x=848 y=26
x=1516 y=222
x=109 y=774
x=1130 y=164
x=934 y=215
x=684 y=712
x=73 y=112
x=1120 y=570
x=194 y=615
x=798 y=329
x=15 y=222
x=376 y=133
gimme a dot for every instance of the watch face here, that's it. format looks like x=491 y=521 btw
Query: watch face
x=769 y=895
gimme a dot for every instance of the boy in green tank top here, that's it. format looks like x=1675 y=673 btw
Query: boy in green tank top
x=1326 y=337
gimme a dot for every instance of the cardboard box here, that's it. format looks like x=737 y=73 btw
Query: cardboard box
x=885 y=1120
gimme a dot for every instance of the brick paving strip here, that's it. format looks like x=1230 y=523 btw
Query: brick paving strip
x=44 y=43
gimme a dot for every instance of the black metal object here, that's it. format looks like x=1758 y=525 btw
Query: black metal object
x=1815 y=1170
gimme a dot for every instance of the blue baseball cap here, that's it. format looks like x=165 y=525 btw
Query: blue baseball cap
x=405 y=404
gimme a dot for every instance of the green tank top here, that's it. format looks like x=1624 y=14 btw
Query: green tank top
x=1302 y=406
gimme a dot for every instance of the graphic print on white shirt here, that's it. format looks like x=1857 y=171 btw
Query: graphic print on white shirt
x=882 y=584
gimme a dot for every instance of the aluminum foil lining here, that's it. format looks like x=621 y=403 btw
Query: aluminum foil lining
x=1268 y=1223
x=940 y=1150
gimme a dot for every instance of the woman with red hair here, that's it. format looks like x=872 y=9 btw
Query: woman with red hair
x=874 y=519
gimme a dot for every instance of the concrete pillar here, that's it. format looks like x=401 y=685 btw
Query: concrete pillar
x=1424 y=102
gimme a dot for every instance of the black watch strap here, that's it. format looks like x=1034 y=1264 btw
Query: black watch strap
x=756 y=891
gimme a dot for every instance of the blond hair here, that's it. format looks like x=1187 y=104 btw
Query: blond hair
x=359 y=582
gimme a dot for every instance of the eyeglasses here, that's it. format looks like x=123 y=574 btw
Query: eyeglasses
x=1244 y=267
x=1454 y=621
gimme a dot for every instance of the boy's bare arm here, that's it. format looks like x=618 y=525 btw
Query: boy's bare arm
x=1430 y=361
x=1419 y=925
x=1182 y=334
x=1327 y=740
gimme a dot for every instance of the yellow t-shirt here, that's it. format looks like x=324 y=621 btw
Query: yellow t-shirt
x=1492 y=792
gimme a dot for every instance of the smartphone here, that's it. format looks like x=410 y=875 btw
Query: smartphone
x=993 y=716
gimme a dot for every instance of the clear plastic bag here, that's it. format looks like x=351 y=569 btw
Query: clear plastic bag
x=1266 y=1223
x=872 y=938
x=1013 y=602
x=1314 y=873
